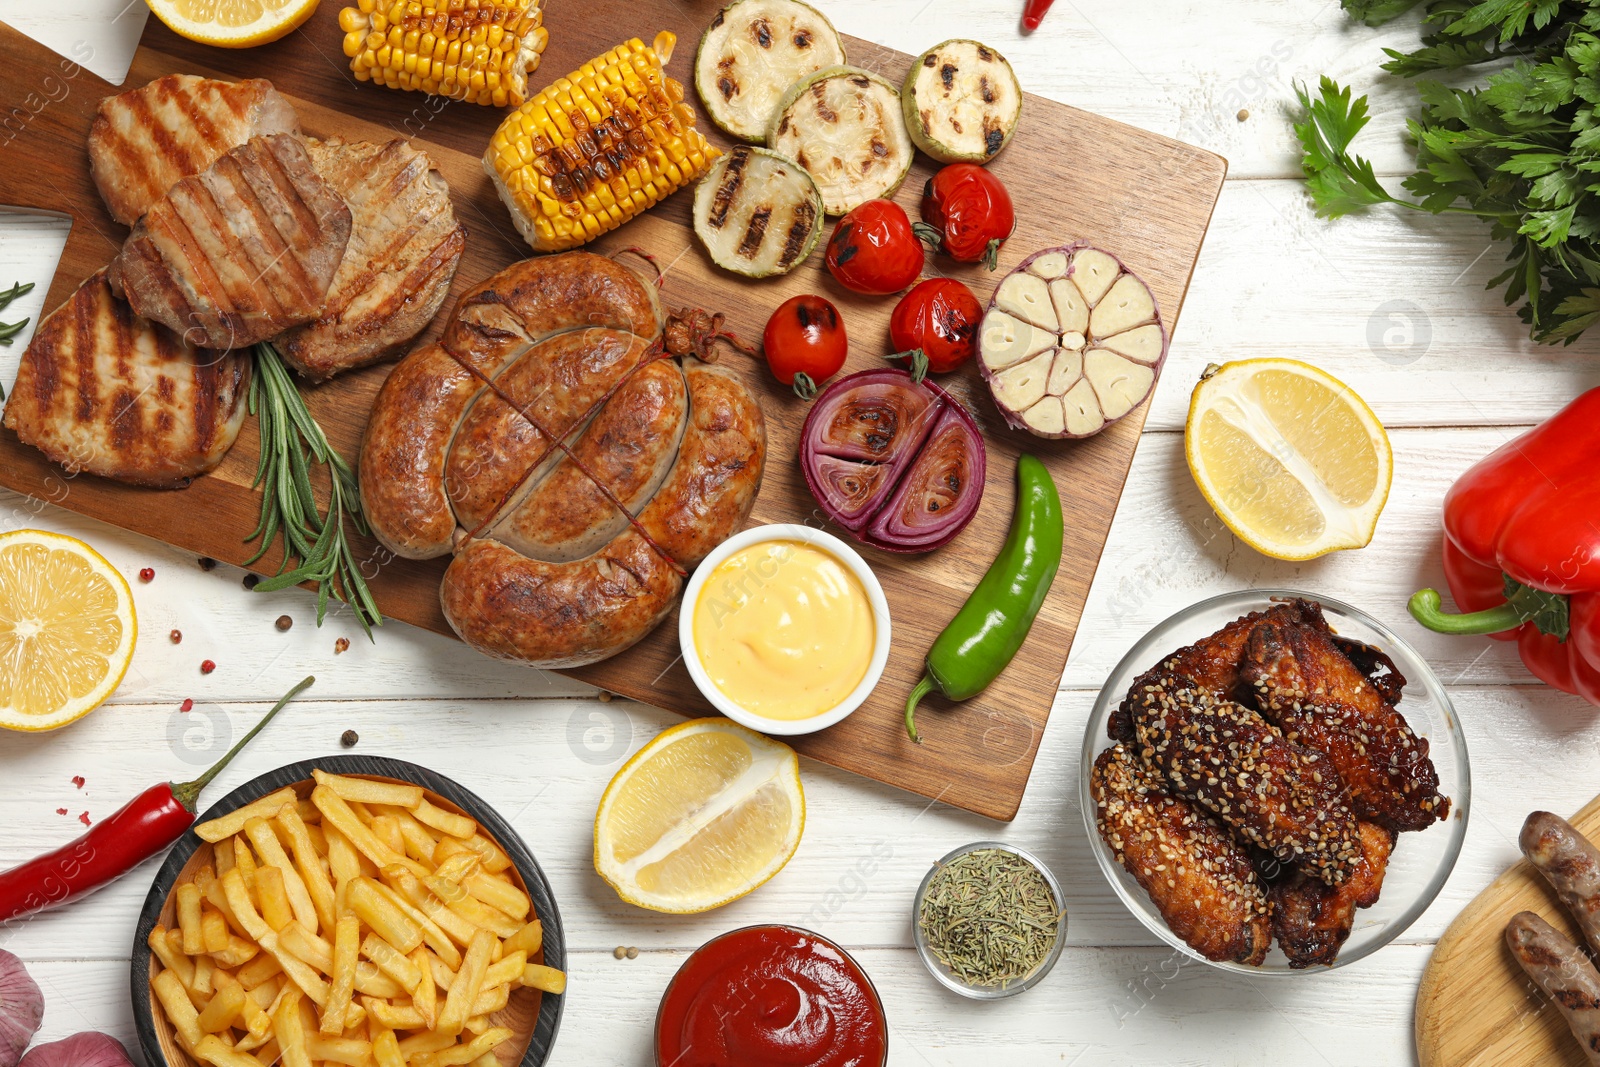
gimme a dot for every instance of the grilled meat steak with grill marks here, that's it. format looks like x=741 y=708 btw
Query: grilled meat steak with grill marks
x=105 y=391
x=405 y=244
x=240 y=252
x=145 y=140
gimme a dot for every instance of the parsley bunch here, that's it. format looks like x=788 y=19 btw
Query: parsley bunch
x=1521 y=151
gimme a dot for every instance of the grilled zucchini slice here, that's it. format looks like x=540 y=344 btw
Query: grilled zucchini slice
x=758 y=213
x=754 y=50
x=962 y=102
x=844 y=125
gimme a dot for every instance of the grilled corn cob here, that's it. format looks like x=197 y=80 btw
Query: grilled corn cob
x=480 y=51
x=597 y=147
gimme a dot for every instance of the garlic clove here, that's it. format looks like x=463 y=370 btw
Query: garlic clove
x=21 y=1009
x=1005 y=340
x=1094 y=272
x=1126 y=305
x=1050 y=266
x=1046 y=417
x=1018 y=388
x=1118 y=383
x=1143 y=343
x=1027 y=298
x=1082 y=410
x=1072 y=313
x=1068 y=368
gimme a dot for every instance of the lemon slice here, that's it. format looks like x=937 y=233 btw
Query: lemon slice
x=1292 y=460
x=66 y=629
x=703 y=814
x=233 y=23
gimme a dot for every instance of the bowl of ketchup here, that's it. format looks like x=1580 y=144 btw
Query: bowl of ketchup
x=778 y=996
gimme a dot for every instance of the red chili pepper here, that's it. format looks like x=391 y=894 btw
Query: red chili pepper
x=1033 y=13
x=144 y=826
x=1522 y=550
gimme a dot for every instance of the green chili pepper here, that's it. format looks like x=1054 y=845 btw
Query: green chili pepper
x=986 y=633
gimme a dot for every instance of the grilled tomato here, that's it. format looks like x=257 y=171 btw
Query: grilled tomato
x=874 y=249
x=805 y=343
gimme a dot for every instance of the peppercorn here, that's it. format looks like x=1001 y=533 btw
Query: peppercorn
x=251 y=581
x=176 y=637
x=349 y=738
x=605 y=697
x=633 y=953
x=284 y=622
x=207 y=563
x=619 y=952
x=207 y=666
x=341 y=645
x=147 y=574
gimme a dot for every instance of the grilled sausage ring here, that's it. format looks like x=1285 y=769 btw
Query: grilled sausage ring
x=547 y=403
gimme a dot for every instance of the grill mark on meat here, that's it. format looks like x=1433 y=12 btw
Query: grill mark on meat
x=208 y=377
x=197 y=119
x=732 y=182
x=267 y=184
x=88 y=380
x=164 y=147
x=756 y=232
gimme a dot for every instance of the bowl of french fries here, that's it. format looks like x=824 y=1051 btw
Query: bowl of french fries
x=350 y=910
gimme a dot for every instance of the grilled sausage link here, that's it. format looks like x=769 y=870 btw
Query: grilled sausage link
x=1560 y=968
x=1570 y=864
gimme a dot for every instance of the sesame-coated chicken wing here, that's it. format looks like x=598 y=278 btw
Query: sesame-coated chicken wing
x=1198 y=877
x=1311 y=690
x=1311 y=920
x=1277 y=794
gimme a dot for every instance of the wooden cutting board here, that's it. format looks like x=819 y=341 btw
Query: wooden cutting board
x=1475 y=1006
x=1073 y=176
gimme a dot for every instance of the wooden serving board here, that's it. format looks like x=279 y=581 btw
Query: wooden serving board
x=1073 y=176
x=1475 y=1006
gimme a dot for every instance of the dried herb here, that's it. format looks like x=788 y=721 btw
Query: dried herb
x=990 y=916
x=9 y=330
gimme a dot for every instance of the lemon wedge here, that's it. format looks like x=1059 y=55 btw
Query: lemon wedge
x=1293 y=461
x=67 y=629
x=233 y=23
x=703 y=814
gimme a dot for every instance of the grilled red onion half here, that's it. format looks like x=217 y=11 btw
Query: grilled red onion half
x=900 y=464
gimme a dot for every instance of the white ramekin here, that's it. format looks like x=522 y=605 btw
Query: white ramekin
x=813 y=538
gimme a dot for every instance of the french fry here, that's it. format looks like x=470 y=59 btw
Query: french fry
x=194 y=940
x=418 y=1044
x=433 y=935
x=237 y=895
x=179 y=1008
x=364 y=897
x=204 y=966
x=222 y=856
x=307 y=947
x=290 y=1032
x=365 y=791
x=213 y=930
x=418 y=896
x=526 y=940
x=425 y=998
x=469 y=979
x=253 y=1015
x=237 y=953
x=219 y=829
x=464 y=1054
x=268 y=1054
x=548 y=979
x=245 y=862
x=446 y=822
x=394 y=1016
x=391 y=961
x=476 y=1024
x=346 y=950
x=212 y=1050
x=275 y=907
x=271 y=854
x=319 y=841
x=507 y=969
x=502 y=896
x=386 y=1050
x=345 y=1050
x=337 y=812
x=224 y=1008
x=458 y=866
x=211 y=889
x=259 y=971
x=419 y=842
x=307 y=811
x=308 y=861
x=471 y=909
x=492 y=998
x=386 y=829
x=171 y=958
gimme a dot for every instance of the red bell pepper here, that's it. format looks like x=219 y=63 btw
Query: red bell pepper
x=1522 y=549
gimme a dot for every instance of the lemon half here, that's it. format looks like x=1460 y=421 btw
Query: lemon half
x=702 y=815
x=67 y=629
x=233 y=23
x=1293 y=461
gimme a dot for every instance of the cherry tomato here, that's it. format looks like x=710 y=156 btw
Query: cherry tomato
x=805 y=343
x=874 y=249
x=940 y=319
x=967 y=213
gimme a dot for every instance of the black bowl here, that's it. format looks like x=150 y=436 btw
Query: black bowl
x=538 y=888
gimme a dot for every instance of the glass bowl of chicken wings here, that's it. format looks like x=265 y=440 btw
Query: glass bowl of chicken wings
x=1275 y=782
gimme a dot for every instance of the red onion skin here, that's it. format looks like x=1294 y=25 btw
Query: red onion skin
x=87 y=1049
x=22 y=1005
x=861 y=528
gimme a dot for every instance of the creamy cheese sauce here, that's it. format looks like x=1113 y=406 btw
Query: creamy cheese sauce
x=784 y=630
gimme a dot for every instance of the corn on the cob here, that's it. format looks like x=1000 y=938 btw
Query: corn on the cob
x=480 y=51
x=597 y=147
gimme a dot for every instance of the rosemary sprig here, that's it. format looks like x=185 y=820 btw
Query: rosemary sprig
x=9 y=330
x=315 y=543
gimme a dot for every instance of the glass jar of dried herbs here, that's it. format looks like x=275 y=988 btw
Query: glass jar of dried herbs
x=989 y=920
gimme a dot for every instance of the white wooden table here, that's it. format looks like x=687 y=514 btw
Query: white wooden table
x=1393 y=305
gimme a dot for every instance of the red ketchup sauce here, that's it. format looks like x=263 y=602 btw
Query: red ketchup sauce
x=770 y=996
